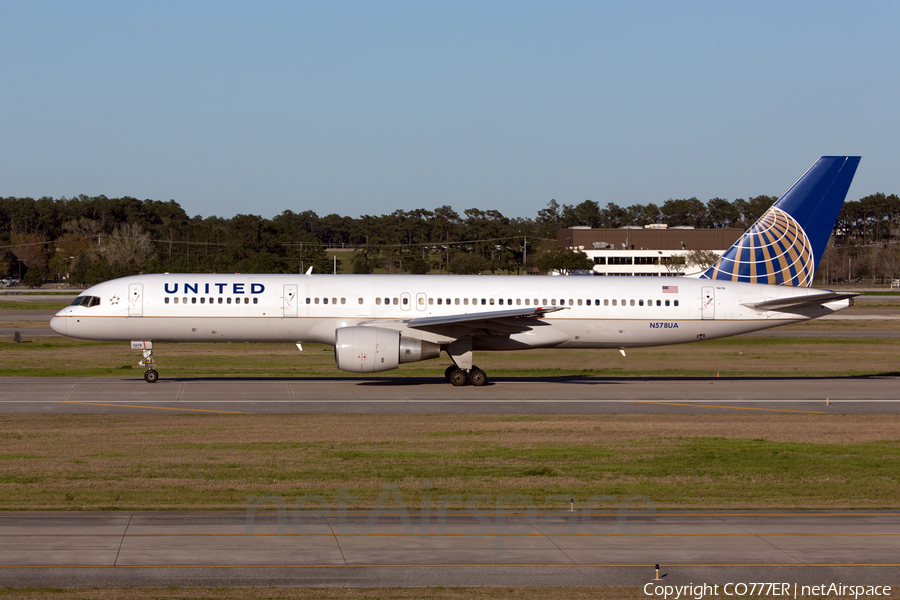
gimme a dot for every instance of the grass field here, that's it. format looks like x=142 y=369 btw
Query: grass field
x=214 y=462
x=58 y=357
x=432 y=593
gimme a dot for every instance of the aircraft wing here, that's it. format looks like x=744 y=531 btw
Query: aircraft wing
x=481 y=318
x=793 y=302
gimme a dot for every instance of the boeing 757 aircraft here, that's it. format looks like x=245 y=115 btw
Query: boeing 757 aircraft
x=377 y=322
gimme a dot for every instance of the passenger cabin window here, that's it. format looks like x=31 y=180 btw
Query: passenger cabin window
x=194 y=300
x=360 y=300
x=324 y=300
x=606 y=303
x=220 y=300
x=166 y=300
x=440 y=300
x=675 y=302
x=256 y=301
x=378 y=301
x=614 y=302
x=396 y=302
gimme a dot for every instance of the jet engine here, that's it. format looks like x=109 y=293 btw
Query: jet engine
x=372 y=349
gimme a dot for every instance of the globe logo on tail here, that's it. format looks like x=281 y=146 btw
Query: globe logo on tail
x=775 y=251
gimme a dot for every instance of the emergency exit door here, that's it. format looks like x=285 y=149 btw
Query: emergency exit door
x=290 y=300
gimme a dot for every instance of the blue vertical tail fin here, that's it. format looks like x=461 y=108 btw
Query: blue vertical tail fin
x=784 y=246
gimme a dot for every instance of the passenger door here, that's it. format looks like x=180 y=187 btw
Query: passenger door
x=136 y=300
x=708 y=302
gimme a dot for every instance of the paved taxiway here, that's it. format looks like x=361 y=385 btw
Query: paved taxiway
x=578 y=395
x=485 y=548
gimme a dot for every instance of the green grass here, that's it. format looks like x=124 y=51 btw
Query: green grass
x=187 y=462
x=731 y=357
x=15 y=305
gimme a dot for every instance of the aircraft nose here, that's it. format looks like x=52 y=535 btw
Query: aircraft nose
x=58 y=324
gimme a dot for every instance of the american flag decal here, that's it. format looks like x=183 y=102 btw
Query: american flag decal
x=670 y=289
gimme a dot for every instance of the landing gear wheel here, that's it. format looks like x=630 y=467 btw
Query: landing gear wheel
x=449 y=372
x=459 y=377
x=477 y=377
x=151 y=376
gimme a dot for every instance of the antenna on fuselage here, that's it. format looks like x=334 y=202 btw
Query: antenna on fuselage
x=309 y=271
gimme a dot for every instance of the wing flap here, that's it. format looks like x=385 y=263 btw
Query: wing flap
x=474 y=319
x=799 y=301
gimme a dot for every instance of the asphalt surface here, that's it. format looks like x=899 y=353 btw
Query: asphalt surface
x=493 y=548
x=576 y=395
x=580 y=548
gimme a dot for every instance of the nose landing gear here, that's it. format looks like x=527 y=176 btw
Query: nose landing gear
x=150 y=375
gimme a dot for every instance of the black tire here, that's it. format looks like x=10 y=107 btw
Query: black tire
x=477 y=377
x=151 y=376
x=448 y=371
x=459 y=377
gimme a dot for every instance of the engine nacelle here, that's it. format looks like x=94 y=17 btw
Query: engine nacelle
x=373 y=349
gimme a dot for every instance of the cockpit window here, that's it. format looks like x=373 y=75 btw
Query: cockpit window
x=87 y=301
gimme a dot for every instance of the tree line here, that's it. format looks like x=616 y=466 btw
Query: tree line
x=98 y=238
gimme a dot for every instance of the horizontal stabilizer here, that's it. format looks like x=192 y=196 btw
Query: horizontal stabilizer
x=799 y=301
x=498 y=315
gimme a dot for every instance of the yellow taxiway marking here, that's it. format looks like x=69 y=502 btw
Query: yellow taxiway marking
x=232 y=412
x=814 y=412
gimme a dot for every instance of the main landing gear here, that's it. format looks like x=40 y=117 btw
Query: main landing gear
x=462 y=371
x=458 y=376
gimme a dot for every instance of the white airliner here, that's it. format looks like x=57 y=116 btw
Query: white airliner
x=376 y=322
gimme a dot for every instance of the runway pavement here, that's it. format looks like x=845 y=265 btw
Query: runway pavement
x=502 y=548
x=575 y=395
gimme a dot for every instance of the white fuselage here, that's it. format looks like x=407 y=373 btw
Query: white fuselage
x=600 y=312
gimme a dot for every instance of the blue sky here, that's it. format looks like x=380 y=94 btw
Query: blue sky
x=368 y=107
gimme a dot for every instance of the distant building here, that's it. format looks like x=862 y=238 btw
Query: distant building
x=654 y=250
